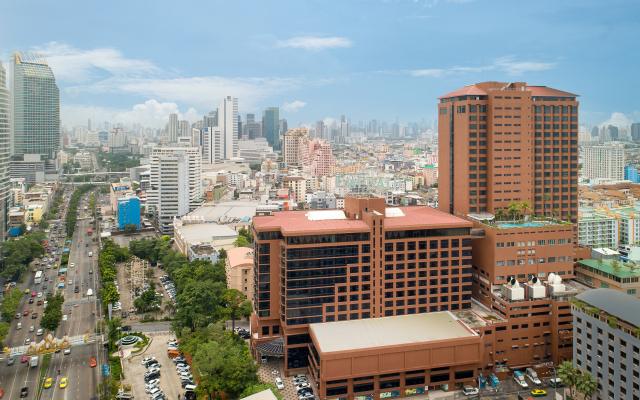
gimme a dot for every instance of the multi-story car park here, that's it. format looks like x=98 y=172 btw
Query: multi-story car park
x=606 y=342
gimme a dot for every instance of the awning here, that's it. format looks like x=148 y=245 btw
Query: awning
x=273 y=348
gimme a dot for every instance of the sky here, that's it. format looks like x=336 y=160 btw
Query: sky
x=139 y=61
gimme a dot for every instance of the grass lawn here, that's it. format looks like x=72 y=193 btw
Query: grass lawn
x=116 y=369
x=46 y=359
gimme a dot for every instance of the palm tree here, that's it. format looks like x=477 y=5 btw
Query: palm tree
x=525 y=206
x=569 y=374
x=567 y=217
x=169 y=307
x=546 y=197
x=500 y=214
x=514 y=209
x=587 y=384
x=555 y=213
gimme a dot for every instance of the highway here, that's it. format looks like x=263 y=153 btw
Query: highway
x=82 y=379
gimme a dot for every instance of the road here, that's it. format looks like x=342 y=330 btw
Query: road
x=82 y=379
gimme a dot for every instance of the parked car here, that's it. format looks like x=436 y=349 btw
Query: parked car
x=279 y=384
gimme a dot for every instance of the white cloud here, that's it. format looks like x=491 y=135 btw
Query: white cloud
x=618 y=119
x=315 y=43
x=509 y=65
x=75 y=65
x=151 y=114
x=293 y=107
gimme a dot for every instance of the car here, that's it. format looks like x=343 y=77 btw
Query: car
x=67 y=352
x=25 y=313
x=24 y=392
x=11 y=361
x=302 y=385
x=33 y=294
x=299 y=380
x=32 y=328
x=538 y=393
x=39 y=294
x=93 y=363
x=34 y=315
x=147 y=360
x=469 y=390
x=90 y=271
x=31 y=300
x=63 y=383
x=64 y=317
x=153 y=382
x=72 y=265
x=70 y=282
x=48 y=383
x=40 y=332
x=44 y=287
x=17 y=315
x=279 y=384
x=24 y=359
x=27 y=341
x=26 y=291
x=126 y=328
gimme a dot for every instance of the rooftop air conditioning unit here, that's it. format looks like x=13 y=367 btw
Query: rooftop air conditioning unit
x=515 y=292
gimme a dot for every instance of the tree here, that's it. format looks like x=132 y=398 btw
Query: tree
x=568 y=373
x=114 y=330
x=22 y=228
x=546 y=197
x=223 y=254
x=169 y=307
x=43 y=224
x=613 y=322
x=259 y=387
x=555 y=213
x=525 y=206
x=587 y=384
x=130 y=227
x=514 y=209
x=4 y=330
x=500 y=214
x=108 y=388
x=616 y=266
x=233 y=299
x=236 y=194
x=241 y=241
x=599 y=261
x=51 y=319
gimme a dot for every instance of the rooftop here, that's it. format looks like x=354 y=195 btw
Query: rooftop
x=226 y=210
x=298 y=221
x=388 y=331
x=424 y=216
x=625 y=270
x=465 y=91
x=202 y=232
x=615 y=303
x=240 y=256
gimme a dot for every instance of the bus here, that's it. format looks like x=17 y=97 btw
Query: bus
x=38 y=278
x=89 y=232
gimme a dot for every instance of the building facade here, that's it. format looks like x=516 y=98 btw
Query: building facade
x=5 y=151
x=603 y=162
x=606 y=342
x=128 y=211
x=239 y=270
x=631 y=174
x=368 y=261
x=271 y=127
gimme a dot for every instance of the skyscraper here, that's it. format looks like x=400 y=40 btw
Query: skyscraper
x=320 y=130
x=174 y=127
x=35 y=106
x=283 y=126
x=5 y=149
x=271 y=127
x=635 y=131
x=227 y=118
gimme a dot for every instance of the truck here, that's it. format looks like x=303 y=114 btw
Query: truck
x=519 y=378
x=38 y=277
x=34 y=361
x=533 y=377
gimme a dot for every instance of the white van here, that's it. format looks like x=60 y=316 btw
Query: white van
x=19 y=325
x=91 y=254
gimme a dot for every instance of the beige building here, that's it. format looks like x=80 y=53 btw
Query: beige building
x=626 y=279
x=239 y=269
x=297 y=184
x=292 y=141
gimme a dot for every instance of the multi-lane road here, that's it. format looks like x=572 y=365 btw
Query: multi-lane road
x=82 y=317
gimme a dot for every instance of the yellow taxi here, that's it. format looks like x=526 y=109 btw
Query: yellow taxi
x=63 y=383
x=538 y=393
x=27 y=291
x=48 y=382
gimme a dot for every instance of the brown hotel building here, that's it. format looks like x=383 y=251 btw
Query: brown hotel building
x=510 y=142
x=368 y=261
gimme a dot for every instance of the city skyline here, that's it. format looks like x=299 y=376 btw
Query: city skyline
x=374 y=60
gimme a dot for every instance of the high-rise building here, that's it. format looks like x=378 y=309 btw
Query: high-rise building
x=344 y=130
x=271 y=127
x=89 y=124
x=320 y=130
x=603 y=162
x=35 y=107
x=227 y=119
x=635 y=131
x=175 y=180
x=291 y=142
x=504 y=143
x=211 y=119
x=5 y=150
x=251 y=118
x=184 y=129
x=613 y=132
x=117 y=138
x=608 y=336
x=283 y=127
x=212 y=145
x=174 y=127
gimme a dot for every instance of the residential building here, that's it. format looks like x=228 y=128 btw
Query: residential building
x=291 y=146
x=199 y=251
x=331 y=258
x=321 y=200
x=173 y=128
x=117 y=138
x=227 y=118
x=631 y=174
x=512 y=142
x=601 y=273
x=322 y=158
x=597 y=229
x=34 y=92
x=239 y=269
x=84 y=159
x=430 y=174
x=606 y=342
x=603 y=162
x=128 y=211
x=297 y=185
x=176 y=183
x=119 y=190
x=5 y=151
x=271 y=127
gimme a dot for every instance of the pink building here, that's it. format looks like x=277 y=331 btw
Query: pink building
x=318 y=156
x=430 y=174
x=432 y=159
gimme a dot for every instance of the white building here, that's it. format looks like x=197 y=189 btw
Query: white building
x=173 y=128
x=212 y=145
x=176 y=182
x=228 y=124
x=84 y=159
x=597 y=229
x=117 y=138
x=603 y=162
x=256 y=151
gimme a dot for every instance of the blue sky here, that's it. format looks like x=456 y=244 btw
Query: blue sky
x=138 y=61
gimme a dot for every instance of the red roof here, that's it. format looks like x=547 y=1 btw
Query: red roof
x=465 y=91
x=297 y=221
x=547 y=91
x=424 y=217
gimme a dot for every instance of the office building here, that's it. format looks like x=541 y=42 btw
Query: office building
x=128 y=211
x=606 y=342
x=283 y=126
x=292 y=141
x=320 y=130
x=5 y=151
x=176 y=183
x=35 y=107
x=603 y=162
x=117 y=138
x=511 y=142
x=227 y=119
x=173 y=128
x=635 y=131
x=271 y=127
x=256 y=151
x=212 y=145
x=631 y=174
x=334 y=263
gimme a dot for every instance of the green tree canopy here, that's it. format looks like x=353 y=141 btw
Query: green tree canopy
x=259 y=387
x=130 y=228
